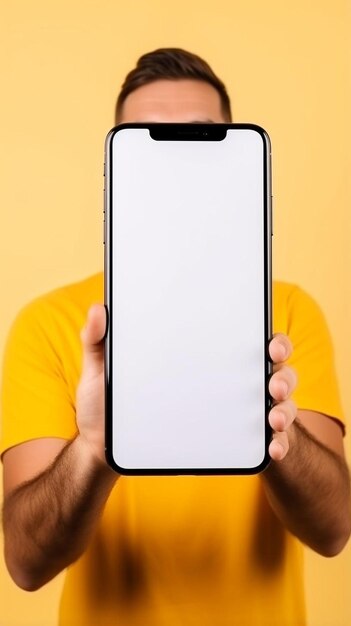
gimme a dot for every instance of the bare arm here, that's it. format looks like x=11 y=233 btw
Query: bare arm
x=307 y=482
x=49 y=519
x=55 y=490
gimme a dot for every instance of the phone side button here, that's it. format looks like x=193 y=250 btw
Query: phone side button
x=103 y=231
x=271 y=216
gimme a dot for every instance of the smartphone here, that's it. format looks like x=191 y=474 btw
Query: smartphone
x=188 y=296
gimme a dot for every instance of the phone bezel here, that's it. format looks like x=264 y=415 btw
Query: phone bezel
x=186 y=132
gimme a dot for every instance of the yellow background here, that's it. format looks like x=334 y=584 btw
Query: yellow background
x=286 y=68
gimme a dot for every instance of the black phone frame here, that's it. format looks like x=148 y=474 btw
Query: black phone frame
x=190 y=132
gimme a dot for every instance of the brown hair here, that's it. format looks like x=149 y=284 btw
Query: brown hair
x=171 y=64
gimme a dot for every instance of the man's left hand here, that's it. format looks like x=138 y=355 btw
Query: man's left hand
x=281 y=386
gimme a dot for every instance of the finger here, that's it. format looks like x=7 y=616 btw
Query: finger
x=93 y=333
x=279 y=446
x=282 y=415
x=282 y=383
x=280 y=348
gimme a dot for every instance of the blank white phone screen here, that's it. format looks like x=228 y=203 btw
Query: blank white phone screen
x=188 y=293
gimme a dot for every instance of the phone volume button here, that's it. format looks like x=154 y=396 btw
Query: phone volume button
x=271 y=216
x=103 y=231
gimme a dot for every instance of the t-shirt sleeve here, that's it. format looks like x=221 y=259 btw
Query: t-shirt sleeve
x=36 y=399
x=313 y=357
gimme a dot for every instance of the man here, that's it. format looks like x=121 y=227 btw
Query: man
x=166 y=550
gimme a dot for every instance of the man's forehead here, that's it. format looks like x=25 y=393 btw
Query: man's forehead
x=173 y=100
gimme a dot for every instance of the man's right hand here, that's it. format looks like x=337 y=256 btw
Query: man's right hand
x=46 y=525
x=90 y=392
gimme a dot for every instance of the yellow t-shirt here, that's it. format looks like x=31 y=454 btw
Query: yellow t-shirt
x=168 y=551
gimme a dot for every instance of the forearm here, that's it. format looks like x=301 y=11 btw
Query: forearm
x=48 y=520
x=309 y=492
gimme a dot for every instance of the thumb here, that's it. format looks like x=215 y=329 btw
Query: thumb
x=92 y=335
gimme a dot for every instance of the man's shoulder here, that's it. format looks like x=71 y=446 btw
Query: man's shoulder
x=77 y=297
x=294 y=308
x=283 y=290
x=83 y=293
x=291 y=296
x=91 y=289
x=88 y=289
x=66 y=304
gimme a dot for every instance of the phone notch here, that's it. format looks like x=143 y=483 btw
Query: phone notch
x=188 y=132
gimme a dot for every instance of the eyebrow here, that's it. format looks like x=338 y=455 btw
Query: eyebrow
x=201 y=122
